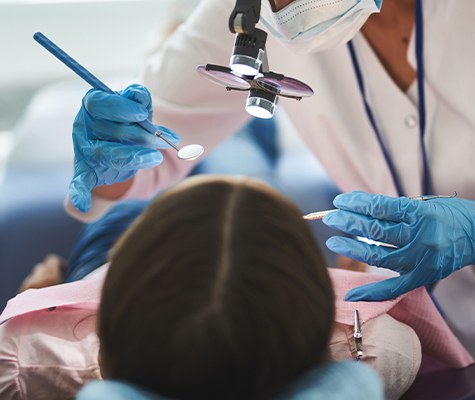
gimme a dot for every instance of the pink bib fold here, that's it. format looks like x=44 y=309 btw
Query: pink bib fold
x=415 y=309
x=84 y=294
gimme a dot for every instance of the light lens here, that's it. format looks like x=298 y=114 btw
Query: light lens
x=261 y=107
x=243 y=69
x=259 y=112
x=246 y=65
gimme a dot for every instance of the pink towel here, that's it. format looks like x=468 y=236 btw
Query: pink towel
x=84 y=294
x=415 y=309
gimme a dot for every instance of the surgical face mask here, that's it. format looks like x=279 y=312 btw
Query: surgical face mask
x=308 y=26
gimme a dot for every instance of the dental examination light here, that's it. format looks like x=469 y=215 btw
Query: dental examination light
x=264 y=89
x=187 y=153
x=248 y=67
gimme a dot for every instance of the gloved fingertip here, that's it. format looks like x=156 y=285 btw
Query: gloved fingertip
x=80 y=204
x=114 y=107
x=342 y=199
x=171 y=135
x=329 y=218
x=93 y=92
x=334 y=243
x=369 y=292
x=345 y=200
x=137 y=93
x=80 y=199
x=338 y=199
x=354 y=295
x=148 y=158
x=94 y=96
x=136 y=86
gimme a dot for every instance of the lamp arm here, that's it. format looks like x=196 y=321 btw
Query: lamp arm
x=245 y=16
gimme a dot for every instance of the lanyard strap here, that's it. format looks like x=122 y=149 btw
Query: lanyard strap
x=421 y=95
x=419 y=42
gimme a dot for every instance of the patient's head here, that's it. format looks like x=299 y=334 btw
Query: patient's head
x=218 y=291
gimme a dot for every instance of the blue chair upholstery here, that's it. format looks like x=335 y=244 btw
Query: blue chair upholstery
x=33 y=223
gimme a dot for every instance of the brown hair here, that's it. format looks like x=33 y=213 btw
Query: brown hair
x=218 y=291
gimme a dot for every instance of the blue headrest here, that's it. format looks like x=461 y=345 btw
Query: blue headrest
x=332 y=381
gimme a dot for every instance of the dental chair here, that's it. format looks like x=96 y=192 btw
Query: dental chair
x=435 y=381
x=33 y=184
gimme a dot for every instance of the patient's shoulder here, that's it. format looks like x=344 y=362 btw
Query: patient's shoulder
x=390 y=347
x=49 y=351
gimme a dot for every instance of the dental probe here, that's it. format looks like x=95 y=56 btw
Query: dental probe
x=190 y=152
x=313 y=216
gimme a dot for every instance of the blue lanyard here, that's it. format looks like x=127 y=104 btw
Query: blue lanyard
x=422 y=106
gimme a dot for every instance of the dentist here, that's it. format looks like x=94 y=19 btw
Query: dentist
x=393 y=114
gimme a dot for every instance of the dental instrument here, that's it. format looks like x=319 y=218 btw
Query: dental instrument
x=188 y=153
x=358 y=337
x=314 y=216
x=317 y=215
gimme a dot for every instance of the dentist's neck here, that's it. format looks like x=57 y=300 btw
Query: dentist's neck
x=278 y=5
x=388 y=33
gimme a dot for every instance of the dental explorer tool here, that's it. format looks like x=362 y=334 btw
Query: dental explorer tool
x=317 y=215
x=188 y=153
x=313 y=216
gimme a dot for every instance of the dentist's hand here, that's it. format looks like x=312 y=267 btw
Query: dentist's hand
x=109 y=146
x=433 y=238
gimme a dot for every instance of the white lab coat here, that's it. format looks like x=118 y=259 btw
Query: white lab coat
x=332 y=123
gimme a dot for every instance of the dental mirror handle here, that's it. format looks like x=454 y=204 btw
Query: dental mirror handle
x=97 y=84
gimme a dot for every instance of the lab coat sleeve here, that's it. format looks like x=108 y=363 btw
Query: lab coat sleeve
x=198 y=110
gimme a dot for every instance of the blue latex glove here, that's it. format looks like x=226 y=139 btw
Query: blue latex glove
x=433 y=239
x=109 y=146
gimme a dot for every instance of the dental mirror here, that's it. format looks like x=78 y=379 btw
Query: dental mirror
x=187 y=153
x=190 y=152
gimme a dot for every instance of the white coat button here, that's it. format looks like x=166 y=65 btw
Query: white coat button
x=411 y=121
